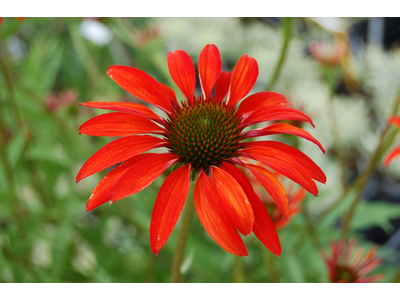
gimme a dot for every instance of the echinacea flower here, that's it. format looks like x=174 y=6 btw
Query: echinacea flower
x=348 y=265
x=204 y=138
x=395 y=152
x=328 y=54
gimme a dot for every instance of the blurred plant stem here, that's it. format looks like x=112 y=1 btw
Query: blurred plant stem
x=238 y=273
x=310 y=227
x=396 y=277
x=268 y=259
x=287 y=33
x=151 y=263
x=184 y=229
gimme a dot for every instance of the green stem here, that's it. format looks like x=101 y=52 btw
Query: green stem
x=238 y=273
x=310 y=227
x=287 y=33
x=184 y=229
x=268 y=259
x=396 y=277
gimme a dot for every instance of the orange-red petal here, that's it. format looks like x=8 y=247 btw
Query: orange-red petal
x=210 y=66
x=117 y=151
x=264 y=227
x=214 y=219
x=170 y=92
x=284 y=128
x=244 y=76
x=182 y=71
x=101 y=193
x=259 y=101
x=119 y=124
x=133 y=108
x=395 y=121
x=233 y=200
x=222 y=85
x=141 y=85
x=168 y=206
x=142 y=175
x=394 y=153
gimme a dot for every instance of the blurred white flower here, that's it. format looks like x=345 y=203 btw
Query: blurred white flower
x=95 y=32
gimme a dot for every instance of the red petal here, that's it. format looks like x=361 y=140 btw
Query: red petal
x=233 y=200
x=141 y=85
x=222 y=85
x=244 y=77
x=182 y=71
x=283 y=128
x=210 y=66
x=214 y=218
x=101 y=193
x=395 y=152
x=117 y=151
x=272 y=186
x=259 y=101
x=264 y=227
x=168 y=206
x=119 y=124
x=275 y=113
x=284 y=164
x=395 y=121
x=312 y=167
x=142 y=175
x=133 y=108
x=170 y=92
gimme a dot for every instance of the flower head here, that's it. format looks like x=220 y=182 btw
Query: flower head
x=329 y=55
x=347 y=263
x=395 y=152
x=204 y=136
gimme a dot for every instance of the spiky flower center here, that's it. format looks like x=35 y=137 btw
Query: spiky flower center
x=204 y=132
x=345 y=274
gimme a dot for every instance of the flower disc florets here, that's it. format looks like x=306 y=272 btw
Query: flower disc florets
x=204 y=132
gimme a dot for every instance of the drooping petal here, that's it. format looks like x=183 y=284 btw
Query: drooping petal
x=182 y=71
x=394 y=153
x=272 y=186
x=141 y=85
x=264 y=227
x=233 y=200
x=210 y=66
x=117 y=151
x=395 y=121
x=312 y=167
x=170 y=92
x=134 y=108
x=214 y=219
x=244 y=76
x=101 y=193
x=119 y=124
x=259 y=101
x=168 y=206
x=283 y=128
x=142 y=175
x=276 y=112
x=284 y=164
x=222 y=85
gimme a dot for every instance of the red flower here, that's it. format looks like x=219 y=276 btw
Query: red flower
x=395 y=152
x=204 y=136
x=349 y=265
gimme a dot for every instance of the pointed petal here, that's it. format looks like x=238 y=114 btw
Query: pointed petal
x=119 y=124
x=284 y=164
x=170 y=92
x=394 y=153
x=214 y=219
x=283 y=128
x=233 y=200
x=395 y=121
x=275 y=113
x=117 y=151
x=264 y=227
x=244 y=76
x=273 y=187
x=222 y=85
x=182 y=71
x=168 y=206
x=142 y=175
x=141 y=85
x=101 y=193
x=312 y=167
x=259 y=101
x=210 y=66
x=134 y=108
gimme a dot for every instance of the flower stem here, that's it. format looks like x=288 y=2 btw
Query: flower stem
x=268 y=259
x=238 y=274
x=287 y=33
x=186 y=222
x=396 y=277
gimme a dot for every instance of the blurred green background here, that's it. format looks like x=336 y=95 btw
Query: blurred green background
x=48 y=65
